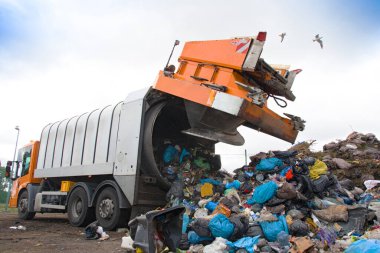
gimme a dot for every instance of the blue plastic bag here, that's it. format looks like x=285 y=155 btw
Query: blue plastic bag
x=272 y=229
x=263 y=193
x=235 y=184
x=210 y=180
x=364 y=246
x=184 y=153
x=211 y=206
x=284 y=171
x=194 y=238
x=268 y=164
x=185 y=222
x=246 y=243
x=170 y=153
x=220 y=226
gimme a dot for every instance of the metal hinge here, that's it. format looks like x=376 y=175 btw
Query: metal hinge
x=257 y=95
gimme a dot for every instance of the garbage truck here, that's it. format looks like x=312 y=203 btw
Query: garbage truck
x=106 y=164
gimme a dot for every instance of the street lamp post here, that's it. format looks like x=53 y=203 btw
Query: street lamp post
x=13 y=164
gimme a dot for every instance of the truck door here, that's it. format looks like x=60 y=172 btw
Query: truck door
x=20 y=173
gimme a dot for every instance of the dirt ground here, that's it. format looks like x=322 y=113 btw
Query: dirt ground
x=51 y=233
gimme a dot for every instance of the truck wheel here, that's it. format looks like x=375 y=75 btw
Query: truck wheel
x=78 y=212
x=22 y=207
x=108 y=213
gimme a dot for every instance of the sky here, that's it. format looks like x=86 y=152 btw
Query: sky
x=62 y=58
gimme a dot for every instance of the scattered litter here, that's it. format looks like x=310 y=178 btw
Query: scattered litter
x=282 y=201
x=19 y=227
x=95 y=232
x=127 y=243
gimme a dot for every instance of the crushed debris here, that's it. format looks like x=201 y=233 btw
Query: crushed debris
x=284 y=201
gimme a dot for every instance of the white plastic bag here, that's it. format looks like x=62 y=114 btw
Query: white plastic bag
x=369 y=184
x=217 y=246
x=127 y=243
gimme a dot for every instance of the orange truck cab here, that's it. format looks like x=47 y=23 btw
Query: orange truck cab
x=23 y=175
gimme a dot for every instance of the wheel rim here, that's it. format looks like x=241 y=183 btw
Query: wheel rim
x=23 y=205
x=106 y=208
x=77 y=208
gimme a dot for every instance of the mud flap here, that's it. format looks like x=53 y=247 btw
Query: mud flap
x=165 y=224
x=32 y=192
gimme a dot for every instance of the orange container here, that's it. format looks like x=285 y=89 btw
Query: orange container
x=223 y=210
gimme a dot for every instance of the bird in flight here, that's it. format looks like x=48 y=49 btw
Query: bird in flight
x=282 y=35
x=319 y=40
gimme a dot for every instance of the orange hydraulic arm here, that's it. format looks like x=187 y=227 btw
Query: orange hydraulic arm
x=229 y=76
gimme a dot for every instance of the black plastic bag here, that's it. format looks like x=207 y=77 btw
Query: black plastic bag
x=200 y=226
x=241 y=223
x=175 y=191
x=275 y=201
x=254 y=230
x=299 y=228
x=320 y=184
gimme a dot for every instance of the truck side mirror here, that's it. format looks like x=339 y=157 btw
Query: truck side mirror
x=14 y=171
x=8 y=169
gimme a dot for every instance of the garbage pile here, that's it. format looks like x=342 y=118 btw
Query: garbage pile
x=356 y=158
x=283 y=201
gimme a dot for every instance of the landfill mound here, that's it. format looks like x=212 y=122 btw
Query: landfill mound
x=283 y=201
x=360 y=154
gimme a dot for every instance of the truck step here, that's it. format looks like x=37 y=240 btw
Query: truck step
x=61 y=207
x=43 y=200
x=54 y=193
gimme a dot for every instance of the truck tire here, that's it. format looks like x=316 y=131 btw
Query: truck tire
x=22 y=207
x=107 y=210
x=78 y=212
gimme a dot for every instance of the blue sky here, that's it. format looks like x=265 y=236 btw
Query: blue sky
x=363 y=12
x=62 y=58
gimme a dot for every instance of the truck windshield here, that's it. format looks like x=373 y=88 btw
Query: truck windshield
x=24 y=161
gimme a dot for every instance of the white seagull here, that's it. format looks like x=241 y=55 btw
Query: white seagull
x=282 y=35
x=319 y=40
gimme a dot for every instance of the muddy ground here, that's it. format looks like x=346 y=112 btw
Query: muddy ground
x=51 y=233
